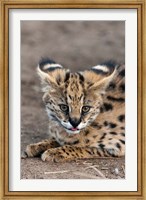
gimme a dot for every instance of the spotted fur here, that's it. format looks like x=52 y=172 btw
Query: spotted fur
x=86 y=111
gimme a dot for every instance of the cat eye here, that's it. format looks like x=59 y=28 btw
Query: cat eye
x=85 y=109
x=64 y=108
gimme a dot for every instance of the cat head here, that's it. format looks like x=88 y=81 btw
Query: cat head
x=73 y=99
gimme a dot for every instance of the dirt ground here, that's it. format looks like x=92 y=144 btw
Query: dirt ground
x=77 y=46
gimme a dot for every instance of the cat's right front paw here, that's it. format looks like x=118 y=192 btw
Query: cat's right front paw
x=32 y=150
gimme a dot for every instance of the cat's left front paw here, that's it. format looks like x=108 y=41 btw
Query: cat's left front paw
x=53 y=155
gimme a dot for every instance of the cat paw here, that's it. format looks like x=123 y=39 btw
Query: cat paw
x=24 y=155
x=52 y=155
x=32 y=150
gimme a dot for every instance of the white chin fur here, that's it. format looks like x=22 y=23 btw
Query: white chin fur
x=72 y=132
x=82 y=125
x=66 y=124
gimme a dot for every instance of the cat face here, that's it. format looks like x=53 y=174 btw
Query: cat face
x=72 y=99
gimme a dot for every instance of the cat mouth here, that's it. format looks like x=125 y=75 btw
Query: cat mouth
x=72 y=129
x=67 y=129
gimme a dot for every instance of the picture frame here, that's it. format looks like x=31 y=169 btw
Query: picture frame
x=5 y=7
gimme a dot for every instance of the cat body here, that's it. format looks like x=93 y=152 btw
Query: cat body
x=86 y=112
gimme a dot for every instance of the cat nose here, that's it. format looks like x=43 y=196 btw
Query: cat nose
x=74 y=122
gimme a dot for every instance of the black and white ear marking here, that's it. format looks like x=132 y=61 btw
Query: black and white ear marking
x=99 y=76
x=51 y=74
x=101 y=69
x=48 y=65
x=105 y=68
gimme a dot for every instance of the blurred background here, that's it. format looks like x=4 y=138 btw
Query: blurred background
x=76 y=45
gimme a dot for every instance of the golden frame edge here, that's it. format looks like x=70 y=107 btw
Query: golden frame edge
x=5 y=5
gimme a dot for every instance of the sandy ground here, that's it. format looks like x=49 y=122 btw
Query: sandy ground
x=76 y=45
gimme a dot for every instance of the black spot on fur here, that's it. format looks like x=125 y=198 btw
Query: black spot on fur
x=81 y=77
x=122 y=141
x=107 y=106
x=70 y=97
x=67 y=76
x=123 y=128
x=111 y=86
x=122 y=87
x=105 y=123
x=113 y=133
x=123 y=134
x=90 y=84
x=77 y=86
x=118 y=145
x=86 y=132
x=96 y=125
x=63 y=150
x=80 y=97
x=112 y=125
x=121 y=118
x=90 y=152
x=75 y=142
x=101 y=146
x=51 y=110
x=101 y=109
x=98 y=152
x=77 y=154
x=87 y=141
x=54 y=117
x=122 y=73
x=119 y=99
x=58 y=79
x=103 y=136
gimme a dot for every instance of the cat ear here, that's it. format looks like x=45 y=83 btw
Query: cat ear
x=51 y=74
x=99 y=77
